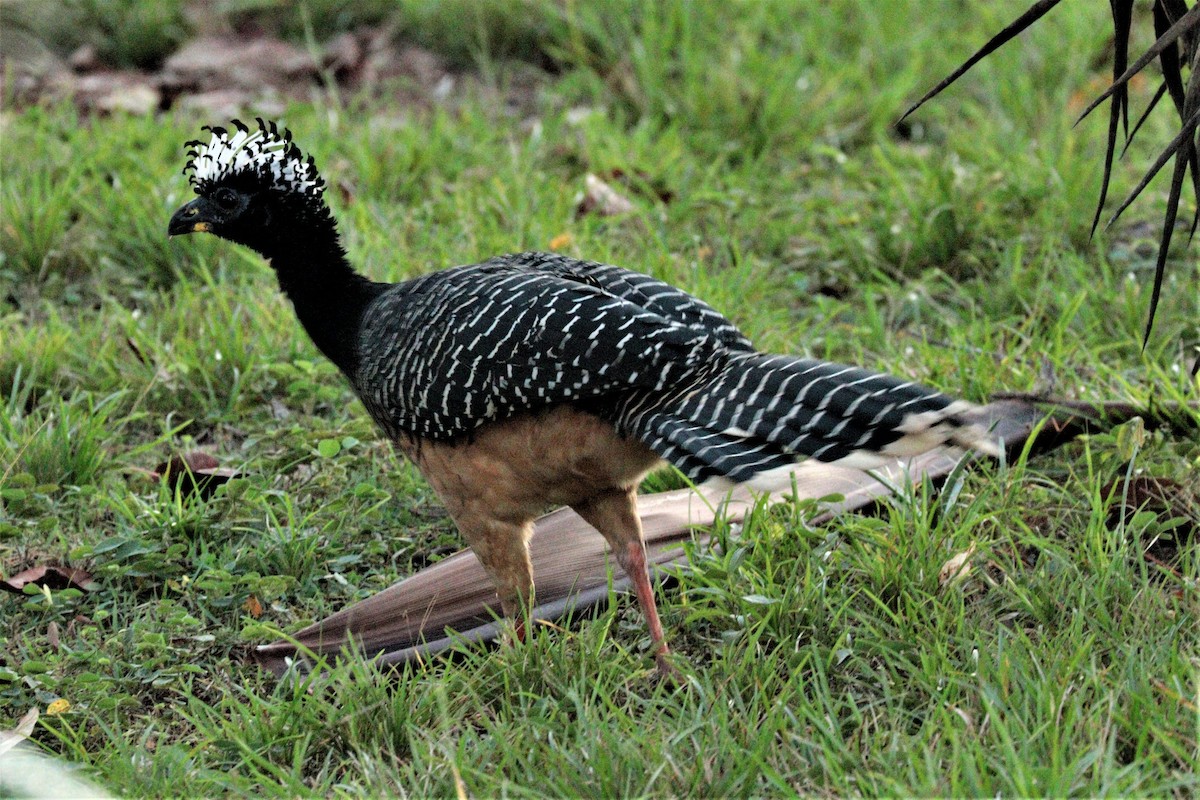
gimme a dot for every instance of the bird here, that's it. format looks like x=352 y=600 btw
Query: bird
x=535 y=380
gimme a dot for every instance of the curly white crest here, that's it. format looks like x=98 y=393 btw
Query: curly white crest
x=266 y=152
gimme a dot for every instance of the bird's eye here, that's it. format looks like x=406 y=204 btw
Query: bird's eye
x=226 y=199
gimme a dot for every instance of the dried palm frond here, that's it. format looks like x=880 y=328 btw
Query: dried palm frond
x=454 y=601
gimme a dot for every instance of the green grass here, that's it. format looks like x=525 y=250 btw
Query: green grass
x=826 y=660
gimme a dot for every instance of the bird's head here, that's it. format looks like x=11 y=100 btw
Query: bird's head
x=253 y=187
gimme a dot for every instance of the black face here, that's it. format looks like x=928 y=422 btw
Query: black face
x=224 y=211
x=247 y=210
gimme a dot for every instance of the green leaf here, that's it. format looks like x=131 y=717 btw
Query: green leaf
x=328 y=448
x=1131 y=437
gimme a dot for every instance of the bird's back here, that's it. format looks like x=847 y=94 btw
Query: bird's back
x=445 y=353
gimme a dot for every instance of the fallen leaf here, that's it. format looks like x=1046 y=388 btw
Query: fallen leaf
x=110 y=91
x=253 y=607
x=1168 y=500
x=56 y=707
x=279 y=410
x=967 y=719
x=85 y=59
x=600 y=198
x=561 y=241
x=640 y=183
x=194 y=473
x=343 y=56
x=220 y=62
x=10 y=739
x=26 y=773
x=957 y=568
x=51 y=577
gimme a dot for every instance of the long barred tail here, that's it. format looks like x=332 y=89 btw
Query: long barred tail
x=752 y=422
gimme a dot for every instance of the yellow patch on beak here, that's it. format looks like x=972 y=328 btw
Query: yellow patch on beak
x=201 y=227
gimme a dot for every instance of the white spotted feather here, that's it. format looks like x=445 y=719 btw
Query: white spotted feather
x=266 y=152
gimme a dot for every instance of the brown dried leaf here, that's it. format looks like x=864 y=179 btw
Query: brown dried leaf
x=221 y=62
x=640 y=183
x=110 y=91
x=1167 y=499
x=343 y=56
x=600 y=198
x=194 y=473
x=957 y=567
x=253 y=607
x=53 y=577
x=10 y=739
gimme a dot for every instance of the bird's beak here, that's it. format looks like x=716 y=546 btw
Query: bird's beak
x=191 y=218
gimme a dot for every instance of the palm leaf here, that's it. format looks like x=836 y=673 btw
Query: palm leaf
x=1165 y=39
x=1171 y=150
x=1158 y=95
x=1177 y=29
x=1032 y=15
x=1122 y=14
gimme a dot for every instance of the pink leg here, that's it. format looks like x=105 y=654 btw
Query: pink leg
x=614 y=514
x=502 y=547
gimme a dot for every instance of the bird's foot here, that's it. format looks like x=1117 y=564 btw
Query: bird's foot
x=512 y=632
x=667 y=671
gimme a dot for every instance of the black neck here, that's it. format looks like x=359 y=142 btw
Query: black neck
x=328 y=295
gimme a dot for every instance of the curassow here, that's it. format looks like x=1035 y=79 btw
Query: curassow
x=534 y=380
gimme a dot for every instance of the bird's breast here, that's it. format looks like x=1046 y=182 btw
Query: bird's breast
x=527 y=463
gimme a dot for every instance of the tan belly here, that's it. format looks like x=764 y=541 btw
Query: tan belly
x=518 y=467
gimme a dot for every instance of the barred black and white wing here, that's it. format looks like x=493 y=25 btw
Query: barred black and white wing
x=447 y=353
x=758 y=416
x=669 y=302
x=444 y=354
